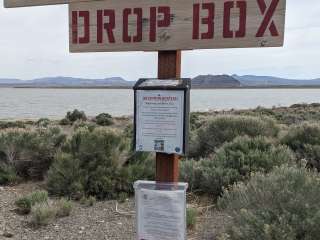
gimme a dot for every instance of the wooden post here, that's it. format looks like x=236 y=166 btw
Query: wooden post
x=167 y=165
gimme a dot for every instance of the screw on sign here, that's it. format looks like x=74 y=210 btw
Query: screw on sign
x=146 y=25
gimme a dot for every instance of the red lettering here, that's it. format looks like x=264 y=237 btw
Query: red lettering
x=154 y=23
x=125 y=32
x=165 y=22
x=227 y=32
x=196 y=21
x=109 y=27
x=267 y=21
x=74 y=27
x=209 y=20
x=86 y=25
x=242 y=5
x=138 y=37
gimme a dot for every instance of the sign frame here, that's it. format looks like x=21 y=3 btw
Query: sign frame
x=182 y=84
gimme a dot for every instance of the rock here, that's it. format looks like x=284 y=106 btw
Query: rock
x=7 y=234
x=82 y=228
x=1 y=189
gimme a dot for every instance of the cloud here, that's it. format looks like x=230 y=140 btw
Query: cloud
x=34 y=43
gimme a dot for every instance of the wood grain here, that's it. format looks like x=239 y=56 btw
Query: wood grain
x=167 y=165
x=179 y=34
x=30 y=3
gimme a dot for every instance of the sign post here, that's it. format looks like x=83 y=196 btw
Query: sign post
x=167 y=165
x=169 y=26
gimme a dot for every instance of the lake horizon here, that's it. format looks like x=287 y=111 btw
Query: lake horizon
x=53 y=103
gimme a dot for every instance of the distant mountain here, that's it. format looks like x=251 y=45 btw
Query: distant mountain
x=9 y=81
x=201 y=81
x=215 y=81
x=264 y=81
x=68 y=82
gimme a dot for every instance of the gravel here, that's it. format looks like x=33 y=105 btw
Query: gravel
x=100 y=222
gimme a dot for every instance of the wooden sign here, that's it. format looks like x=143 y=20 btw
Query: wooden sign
x=148 y=25
x=29 y=3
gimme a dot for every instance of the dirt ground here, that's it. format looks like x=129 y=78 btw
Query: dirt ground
x=103 y=221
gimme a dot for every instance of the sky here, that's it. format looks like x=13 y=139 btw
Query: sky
x=34 y=43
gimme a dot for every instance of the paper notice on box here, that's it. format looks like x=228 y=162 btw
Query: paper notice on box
x=161 y=215
x=160 y=121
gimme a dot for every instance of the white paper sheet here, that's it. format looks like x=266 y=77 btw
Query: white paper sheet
x=159 y=121
x=161 y=215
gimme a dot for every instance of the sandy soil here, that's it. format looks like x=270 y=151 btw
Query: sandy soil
x=100 y=222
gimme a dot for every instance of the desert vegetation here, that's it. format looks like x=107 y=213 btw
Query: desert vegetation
x=260 y=167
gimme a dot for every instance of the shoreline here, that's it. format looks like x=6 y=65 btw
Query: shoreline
x=209 y=111
x=193 y=88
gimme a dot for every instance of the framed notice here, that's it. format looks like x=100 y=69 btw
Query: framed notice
x=162 y=115
x=160 y=210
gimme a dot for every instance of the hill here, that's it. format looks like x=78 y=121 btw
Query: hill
x=264 y=81
x=67 y=82
x=201 y=81
x=215 y=81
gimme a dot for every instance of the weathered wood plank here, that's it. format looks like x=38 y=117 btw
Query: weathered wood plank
x=148 y=25
x=29 y=3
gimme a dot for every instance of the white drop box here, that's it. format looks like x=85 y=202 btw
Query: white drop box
x=160 y=210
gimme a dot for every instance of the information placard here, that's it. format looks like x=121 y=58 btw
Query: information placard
x=161 y=210
x=160 y=121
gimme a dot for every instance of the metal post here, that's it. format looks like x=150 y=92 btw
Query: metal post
x=167 y=165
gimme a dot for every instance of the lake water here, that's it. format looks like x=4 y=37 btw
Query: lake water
x=54 y=103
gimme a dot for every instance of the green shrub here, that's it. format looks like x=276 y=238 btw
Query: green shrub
x=281 y=205
x=16 y=124
x=234 y=161
x=305 y=141
x=88 y=201
x=63 y=208
x=191 y=218
x=142 y=169
x=43 y=122
x=7 y=174
x=195 y=122
x=224 y=129
x=89 y=163
x=30 y=152
x=247 y=155
x=104 y=119
x=38 y=197
x=76 y=115
x=42 y=215
x=122 y=197
x=204 y=177
x=64 y=176
x=190 y=172
x=24 y=205
x=82 y=124
x=65 y=122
